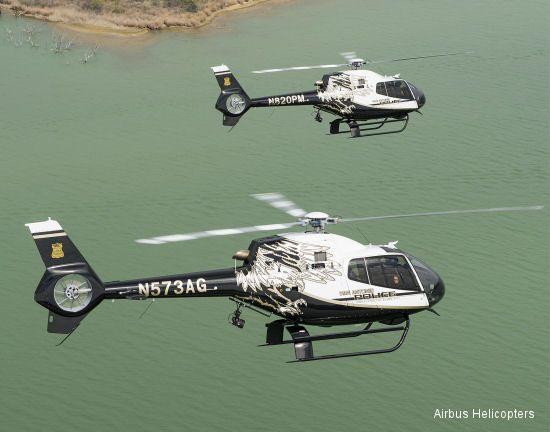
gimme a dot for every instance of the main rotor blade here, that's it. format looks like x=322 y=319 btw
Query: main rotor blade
x=275 y=227
x=349 y=56
x=215 y=233
x=420 y=57
x=443 y=213
x=327 y=66
x=280 y=202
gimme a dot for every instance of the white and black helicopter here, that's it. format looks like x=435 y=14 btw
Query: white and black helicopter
x=365 y=100
x=308 y=278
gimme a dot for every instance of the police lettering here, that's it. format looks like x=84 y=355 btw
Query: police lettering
x=372 y=295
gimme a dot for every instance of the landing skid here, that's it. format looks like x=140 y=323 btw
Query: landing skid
x=356 y=128
x=303 y=347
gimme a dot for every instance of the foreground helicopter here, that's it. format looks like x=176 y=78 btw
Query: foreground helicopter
x=365 y=100
x=311 y=278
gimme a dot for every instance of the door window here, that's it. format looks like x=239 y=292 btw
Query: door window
x=357 y=270
x=381 y=89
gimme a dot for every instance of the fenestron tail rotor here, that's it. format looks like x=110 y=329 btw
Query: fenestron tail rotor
x=72 y=292
x=315 y=220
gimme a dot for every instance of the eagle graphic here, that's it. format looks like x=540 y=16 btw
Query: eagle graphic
x=286 y=264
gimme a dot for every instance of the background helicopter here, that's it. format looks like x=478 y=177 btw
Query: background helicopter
x=365 y=100
x=311 y=278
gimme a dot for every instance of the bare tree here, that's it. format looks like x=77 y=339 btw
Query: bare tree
x=30 y=33
x=60 y=43
x=9 y=34
x=12 y=37
x=88 y=55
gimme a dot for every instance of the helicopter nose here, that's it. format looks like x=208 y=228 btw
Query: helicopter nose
x=418 y=94
x=421 y=100
x=437 y=293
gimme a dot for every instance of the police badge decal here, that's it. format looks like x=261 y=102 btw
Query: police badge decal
x=57 y=250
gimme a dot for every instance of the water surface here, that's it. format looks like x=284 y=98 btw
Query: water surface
x=129 y=146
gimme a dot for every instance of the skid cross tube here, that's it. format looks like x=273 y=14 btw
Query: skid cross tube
x=356 y=128
x=342 y=335
x=362 y=127
x=303 y=346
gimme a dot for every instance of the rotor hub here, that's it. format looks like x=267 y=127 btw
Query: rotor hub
x=357 y=63
x=317 y=221
x=72 y=292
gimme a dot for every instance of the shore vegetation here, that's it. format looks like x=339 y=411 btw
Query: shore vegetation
x=125 y=14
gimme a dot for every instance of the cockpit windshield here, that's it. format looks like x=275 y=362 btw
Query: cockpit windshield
x=427 y=276
x=390 y=271
x=395 y=89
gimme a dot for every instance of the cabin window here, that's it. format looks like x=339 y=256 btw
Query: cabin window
x=381 y=89
x=391 y=271
x=357 y=271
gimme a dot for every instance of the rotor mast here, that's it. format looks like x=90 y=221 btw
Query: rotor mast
x=317 y=221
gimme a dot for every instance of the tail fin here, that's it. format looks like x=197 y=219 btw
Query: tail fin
x=233 y=101
x=69 y=288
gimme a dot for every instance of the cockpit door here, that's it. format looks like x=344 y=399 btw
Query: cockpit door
x=360 y=290
x=386 y=282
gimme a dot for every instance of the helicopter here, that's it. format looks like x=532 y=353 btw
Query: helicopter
x=366 y=101
x=303 y=278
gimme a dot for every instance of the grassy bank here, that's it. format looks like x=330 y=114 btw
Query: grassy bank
x=126 y=14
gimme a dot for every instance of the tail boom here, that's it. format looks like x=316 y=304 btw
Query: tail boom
x=213 y=283
x=70 y=289
x=290 y=99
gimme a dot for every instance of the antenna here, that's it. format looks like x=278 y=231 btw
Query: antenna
x=147 y=308
x=363 y=234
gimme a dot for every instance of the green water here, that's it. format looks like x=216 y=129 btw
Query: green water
x=129 y=146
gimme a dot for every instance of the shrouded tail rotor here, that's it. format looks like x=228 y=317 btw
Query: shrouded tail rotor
x=233 y=101
x=69 y=288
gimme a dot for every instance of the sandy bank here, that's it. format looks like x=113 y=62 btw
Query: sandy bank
x=125 y=17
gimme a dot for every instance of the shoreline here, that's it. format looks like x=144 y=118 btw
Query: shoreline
x=97 y=24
